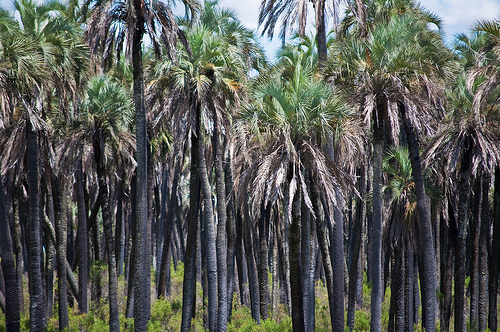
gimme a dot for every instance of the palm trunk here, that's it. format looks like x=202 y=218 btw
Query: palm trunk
x=305 y=259
x=495 y=253
x=12 y=306
x=167 y=237
x=61 y=238
x=37 y=299
x=231 y=233
x=427 y=238
x=263 y=260
x=253 y=279
x=474 y=254
x=189 y=283
x=295 y=276
x=484 y=234
x=408 y=288
x=338 y=263
x=142 y=303
x=321 y=32
x=83 y=262
x=355 y=251
x=324 y=250
x=221 y=244
x=210 y=244
x=114 y=318
x=376 y=249
x=460 y=257
x=50 y=250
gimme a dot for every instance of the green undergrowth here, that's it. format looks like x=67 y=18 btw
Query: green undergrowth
x=166 y=314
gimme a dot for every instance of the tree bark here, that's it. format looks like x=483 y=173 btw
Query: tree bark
x=295 y=254
x=495 y=253
x=189 y=281
x=484 y=237
x=221 y=242
x=460 y=256
x=376 y=249
x=107 y=219
x=263 y=260
x=142 y=274
x=210 y=236
x=12 y=306
x=83 y=263
x=427 y=238
x=474 y=254
x=37 y=299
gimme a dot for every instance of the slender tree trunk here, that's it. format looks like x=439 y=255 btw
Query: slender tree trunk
x=321 y=32
x=324 y=250
x=355 y=251
x=61 y=238
x=474 y=254
x=210 y=236
x=107 y=219
x=168 y=224
x=263 y=260
x=50 y=250
x=231 y=233
x=18 y=248
x=83 y=262
x=253 y=279
x=295 y=254
x=239 y=259
x=376 y=249
x=338 y=263
x=189 y=283
x=408 y=288
x=484 y=234
x=221 y=244
x=427 y=238
x=460 y=257
x=37 y=299
x=495 y=253
x=142 y=302
x=12 y=306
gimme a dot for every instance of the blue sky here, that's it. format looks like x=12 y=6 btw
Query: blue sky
x=457 y=15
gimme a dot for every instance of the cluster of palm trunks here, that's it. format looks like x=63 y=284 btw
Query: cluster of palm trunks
x=370 y=151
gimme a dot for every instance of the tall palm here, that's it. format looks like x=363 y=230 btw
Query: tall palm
x=206 y=82
x=485 y=74
x=289 y=119
x=465 y=143
x=111 y=24
x=389 y=73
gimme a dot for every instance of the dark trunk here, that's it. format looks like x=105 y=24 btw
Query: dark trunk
x=253 y=279
x=321 y=32
x=460 y=257
x=495 y=253
x=83 y=262
x=61 y=236
x=484 y=237
x=376 y=245
x=338 y=265
x=263 y=260
x=474 y=254
x=142 y=274
x=221 y=245
x=231 y=233
x=114 y=318
x=295 y=276
x=188 y=288
x=408 y=288
x=168 y=224
x=356 y=248
x=37 y=299
x=239 y=259
x=324 y=250
x=427 y=239
x=210 y=236
x=12 y=306
x=50 y=250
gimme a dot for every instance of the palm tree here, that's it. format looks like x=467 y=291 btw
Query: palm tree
x=129 y=20
x=389 y=86
x=289 y=120
x=103 y=127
